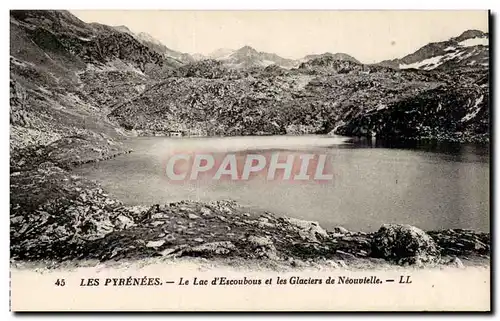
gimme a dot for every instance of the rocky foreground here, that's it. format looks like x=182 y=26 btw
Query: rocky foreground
x=58 y=216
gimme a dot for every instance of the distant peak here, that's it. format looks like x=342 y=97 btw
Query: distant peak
x=144 y=36
x=247 y=49
x=332 y=56
x=123 y=29
x=469 y=34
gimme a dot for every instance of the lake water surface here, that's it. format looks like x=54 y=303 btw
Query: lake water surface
x=429 y=186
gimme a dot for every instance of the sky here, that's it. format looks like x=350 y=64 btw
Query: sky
x=369 y=36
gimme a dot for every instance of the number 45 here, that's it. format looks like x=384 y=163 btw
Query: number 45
x=60 y=282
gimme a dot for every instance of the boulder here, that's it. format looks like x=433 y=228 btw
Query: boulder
x=159 y=216
x=263 y=246
x=260 y=241
x=308 y=230
x=155 y=243
x=264 y=223
x=205 y=211
x=404 y=244
x=340 y=230
x=123 y=222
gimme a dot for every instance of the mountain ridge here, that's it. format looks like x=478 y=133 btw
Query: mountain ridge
x=247 y=57
x=428 y=57
x=468 y=48
x=64 y=70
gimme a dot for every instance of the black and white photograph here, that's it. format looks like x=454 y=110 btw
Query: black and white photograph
x=162 y=158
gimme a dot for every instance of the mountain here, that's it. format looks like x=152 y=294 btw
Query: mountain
x=220 y=53
x=65 y=74
x=327 y=64
x=470 y=49
x=336 y=56
x=72 y=79
x=248 y=57
x=324 y=95
x=124 y=29
x=146 y=39
x=198 y=57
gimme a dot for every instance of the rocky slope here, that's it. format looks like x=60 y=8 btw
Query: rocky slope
x=321 y=96
x=336 y=56
x=175 y=57
x=64 y=74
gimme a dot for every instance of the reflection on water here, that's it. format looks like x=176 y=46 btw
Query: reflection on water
x=447 y=150
x=432 y=186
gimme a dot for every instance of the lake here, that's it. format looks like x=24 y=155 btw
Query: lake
x=431 y=186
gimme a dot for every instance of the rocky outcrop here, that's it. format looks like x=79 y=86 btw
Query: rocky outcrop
x=330 y=56
x=67 y=152
x=442 y=113
x=459 y=241
x=331 y=63
x=54 y=213
x=209 y=69
x=404 y=244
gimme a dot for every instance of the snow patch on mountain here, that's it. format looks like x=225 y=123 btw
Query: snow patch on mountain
x=426 y=64
x=471 y=48
x=475 y=109
x=222 y=53
x=267 y=63
x=147 y=37
x=466 y=50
